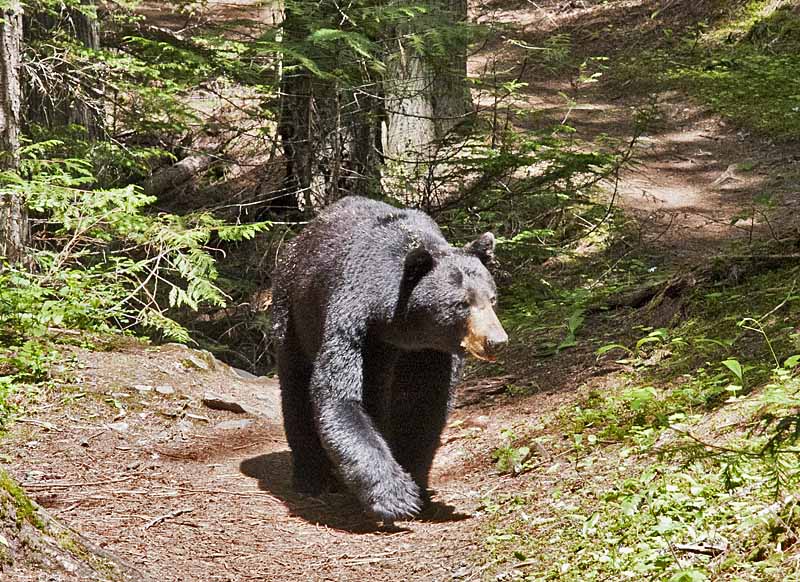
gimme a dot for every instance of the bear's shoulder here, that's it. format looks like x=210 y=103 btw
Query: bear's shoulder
x=375 y=220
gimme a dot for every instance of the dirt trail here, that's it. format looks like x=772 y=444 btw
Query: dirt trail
x=126 y=452
x=186 y=493
x=693 y=176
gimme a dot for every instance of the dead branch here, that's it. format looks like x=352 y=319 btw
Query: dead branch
x=71 y=485
x=166 y=516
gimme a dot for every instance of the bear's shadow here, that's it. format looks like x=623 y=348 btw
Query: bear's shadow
x=335 y=510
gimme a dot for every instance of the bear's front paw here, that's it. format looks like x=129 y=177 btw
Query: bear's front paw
x=398 y=499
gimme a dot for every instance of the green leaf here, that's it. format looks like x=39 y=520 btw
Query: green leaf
x=665 y=525
x=638 y=398
x=690 y=575
x=609 y=347
x=736 y=369
x=791 y=362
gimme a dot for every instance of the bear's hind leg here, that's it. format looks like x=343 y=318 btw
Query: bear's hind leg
x=420 y=399
x=312 y=472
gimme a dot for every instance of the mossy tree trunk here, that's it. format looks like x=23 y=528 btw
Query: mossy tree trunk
x=13 y=215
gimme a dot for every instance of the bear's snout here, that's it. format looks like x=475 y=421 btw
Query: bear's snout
x=485 y=334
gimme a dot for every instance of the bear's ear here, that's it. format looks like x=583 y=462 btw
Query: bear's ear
x=482 y=247
x=417 y=263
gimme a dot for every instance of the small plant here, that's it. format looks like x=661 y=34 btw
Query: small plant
x=510 y=458
x=574 y=323
x=738 y=372
x=654 y=339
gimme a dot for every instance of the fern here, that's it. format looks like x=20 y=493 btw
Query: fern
x=104 y=262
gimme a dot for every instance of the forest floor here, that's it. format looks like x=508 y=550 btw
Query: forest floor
x=124 y=451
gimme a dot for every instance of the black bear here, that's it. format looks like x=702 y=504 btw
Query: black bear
x=373 y=313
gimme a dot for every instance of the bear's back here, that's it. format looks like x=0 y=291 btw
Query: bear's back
x=354 y=249
x=365 y=231
x=363 y=213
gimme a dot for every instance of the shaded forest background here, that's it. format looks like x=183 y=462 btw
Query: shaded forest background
x=171 y=133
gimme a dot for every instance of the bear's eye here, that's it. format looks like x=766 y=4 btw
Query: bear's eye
x=493 y=300
x=463 y=304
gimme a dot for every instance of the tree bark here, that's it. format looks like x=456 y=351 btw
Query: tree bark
x=79 y=102
x=330 y=134
x=13 y=215
x=88 y=105
x=426 y=100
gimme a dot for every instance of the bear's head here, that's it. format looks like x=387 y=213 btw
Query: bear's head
x=448 y=297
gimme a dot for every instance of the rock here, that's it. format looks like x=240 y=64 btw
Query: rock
x=234 y=424
x=192 y=362
x=165 y=390
x=185 y=427
x=68 y=565
x=199 y=360
x=461 y=572
x=244 y=374
x=481 y=421
x=257 y=398
x=118 y=426
x=142 y=387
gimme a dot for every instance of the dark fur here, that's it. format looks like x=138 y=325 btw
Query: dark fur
x=369 y=315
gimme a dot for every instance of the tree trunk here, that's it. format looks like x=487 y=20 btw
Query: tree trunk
x=330 y=134
x=13 y=215
x=452 y=102
x=88 y=105
x=329 y=138
x=426 y=99
x=79 y=102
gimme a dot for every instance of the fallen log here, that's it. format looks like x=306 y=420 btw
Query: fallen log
x=177 y=174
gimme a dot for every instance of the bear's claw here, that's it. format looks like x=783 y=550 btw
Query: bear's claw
x=398 y=499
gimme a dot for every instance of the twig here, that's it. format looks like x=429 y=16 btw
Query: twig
x=364 y=561
x=705 y=549
x=720 y=448
x=70 y=508
x=674 y=554
x=166 y=516
x=42 y=423
x=781 y=304
x=70 y=485
x=189 y=490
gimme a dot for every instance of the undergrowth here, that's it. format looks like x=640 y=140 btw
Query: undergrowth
x=744 y=67
x=685 y=468
x=102 y=263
